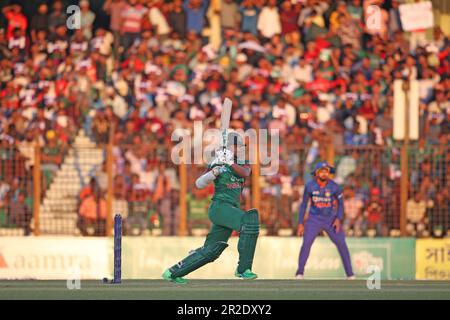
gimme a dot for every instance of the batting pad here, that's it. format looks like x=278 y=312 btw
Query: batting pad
x=247 y=239
x=198 y=258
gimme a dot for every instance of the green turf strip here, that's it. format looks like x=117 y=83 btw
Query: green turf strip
x=227 y=289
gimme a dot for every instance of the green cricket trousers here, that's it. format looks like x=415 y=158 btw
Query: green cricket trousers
x=225 y=218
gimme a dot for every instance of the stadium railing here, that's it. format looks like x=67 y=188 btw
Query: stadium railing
x=16 y=189
x=161 y=199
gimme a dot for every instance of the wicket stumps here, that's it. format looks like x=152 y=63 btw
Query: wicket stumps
x=117 y=249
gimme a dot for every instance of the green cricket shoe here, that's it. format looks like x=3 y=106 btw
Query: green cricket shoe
x=246 y=275
x=167 y=275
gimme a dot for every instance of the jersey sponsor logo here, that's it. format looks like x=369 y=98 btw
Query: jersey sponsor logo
x=321 y=202
x=234 y=185
x=322 y=205
x=316 y=192
x=235 y=179
x=321 y=199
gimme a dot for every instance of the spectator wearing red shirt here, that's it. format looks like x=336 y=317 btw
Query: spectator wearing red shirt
x=134 y=63
x=288 y=17
x=257 y=83
x=368 y=110
x=16 y=19
x=319 y=84
x=374 y=212
x=312 y=52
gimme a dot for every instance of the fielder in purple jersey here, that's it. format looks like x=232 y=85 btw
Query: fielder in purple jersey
x=325 y=213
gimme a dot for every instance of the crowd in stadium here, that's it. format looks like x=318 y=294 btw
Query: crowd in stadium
x=311 y=68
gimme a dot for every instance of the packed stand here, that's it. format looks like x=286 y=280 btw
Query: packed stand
x=40 y=102
x=308 y=68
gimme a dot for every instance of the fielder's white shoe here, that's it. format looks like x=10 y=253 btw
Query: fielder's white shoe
x=351 y=278
x=299 y=277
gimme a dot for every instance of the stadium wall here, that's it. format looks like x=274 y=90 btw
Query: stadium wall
x=276 y=258
x=54 y=257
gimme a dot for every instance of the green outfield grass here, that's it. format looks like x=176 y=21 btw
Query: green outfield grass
x=226 y=289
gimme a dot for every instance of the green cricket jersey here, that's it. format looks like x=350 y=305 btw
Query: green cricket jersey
x=228 y=187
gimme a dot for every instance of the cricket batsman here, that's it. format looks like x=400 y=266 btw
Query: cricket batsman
x=325 y=213
x=228 y=174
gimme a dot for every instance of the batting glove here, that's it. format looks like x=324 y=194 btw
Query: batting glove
x=218 y=170
x=224 y=156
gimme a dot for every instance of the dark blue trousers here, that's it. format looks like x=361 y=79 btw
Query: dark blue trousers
x=313 y=226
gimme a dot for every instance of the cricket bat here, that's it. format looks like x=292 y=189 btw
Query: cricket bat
x=225 y=121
